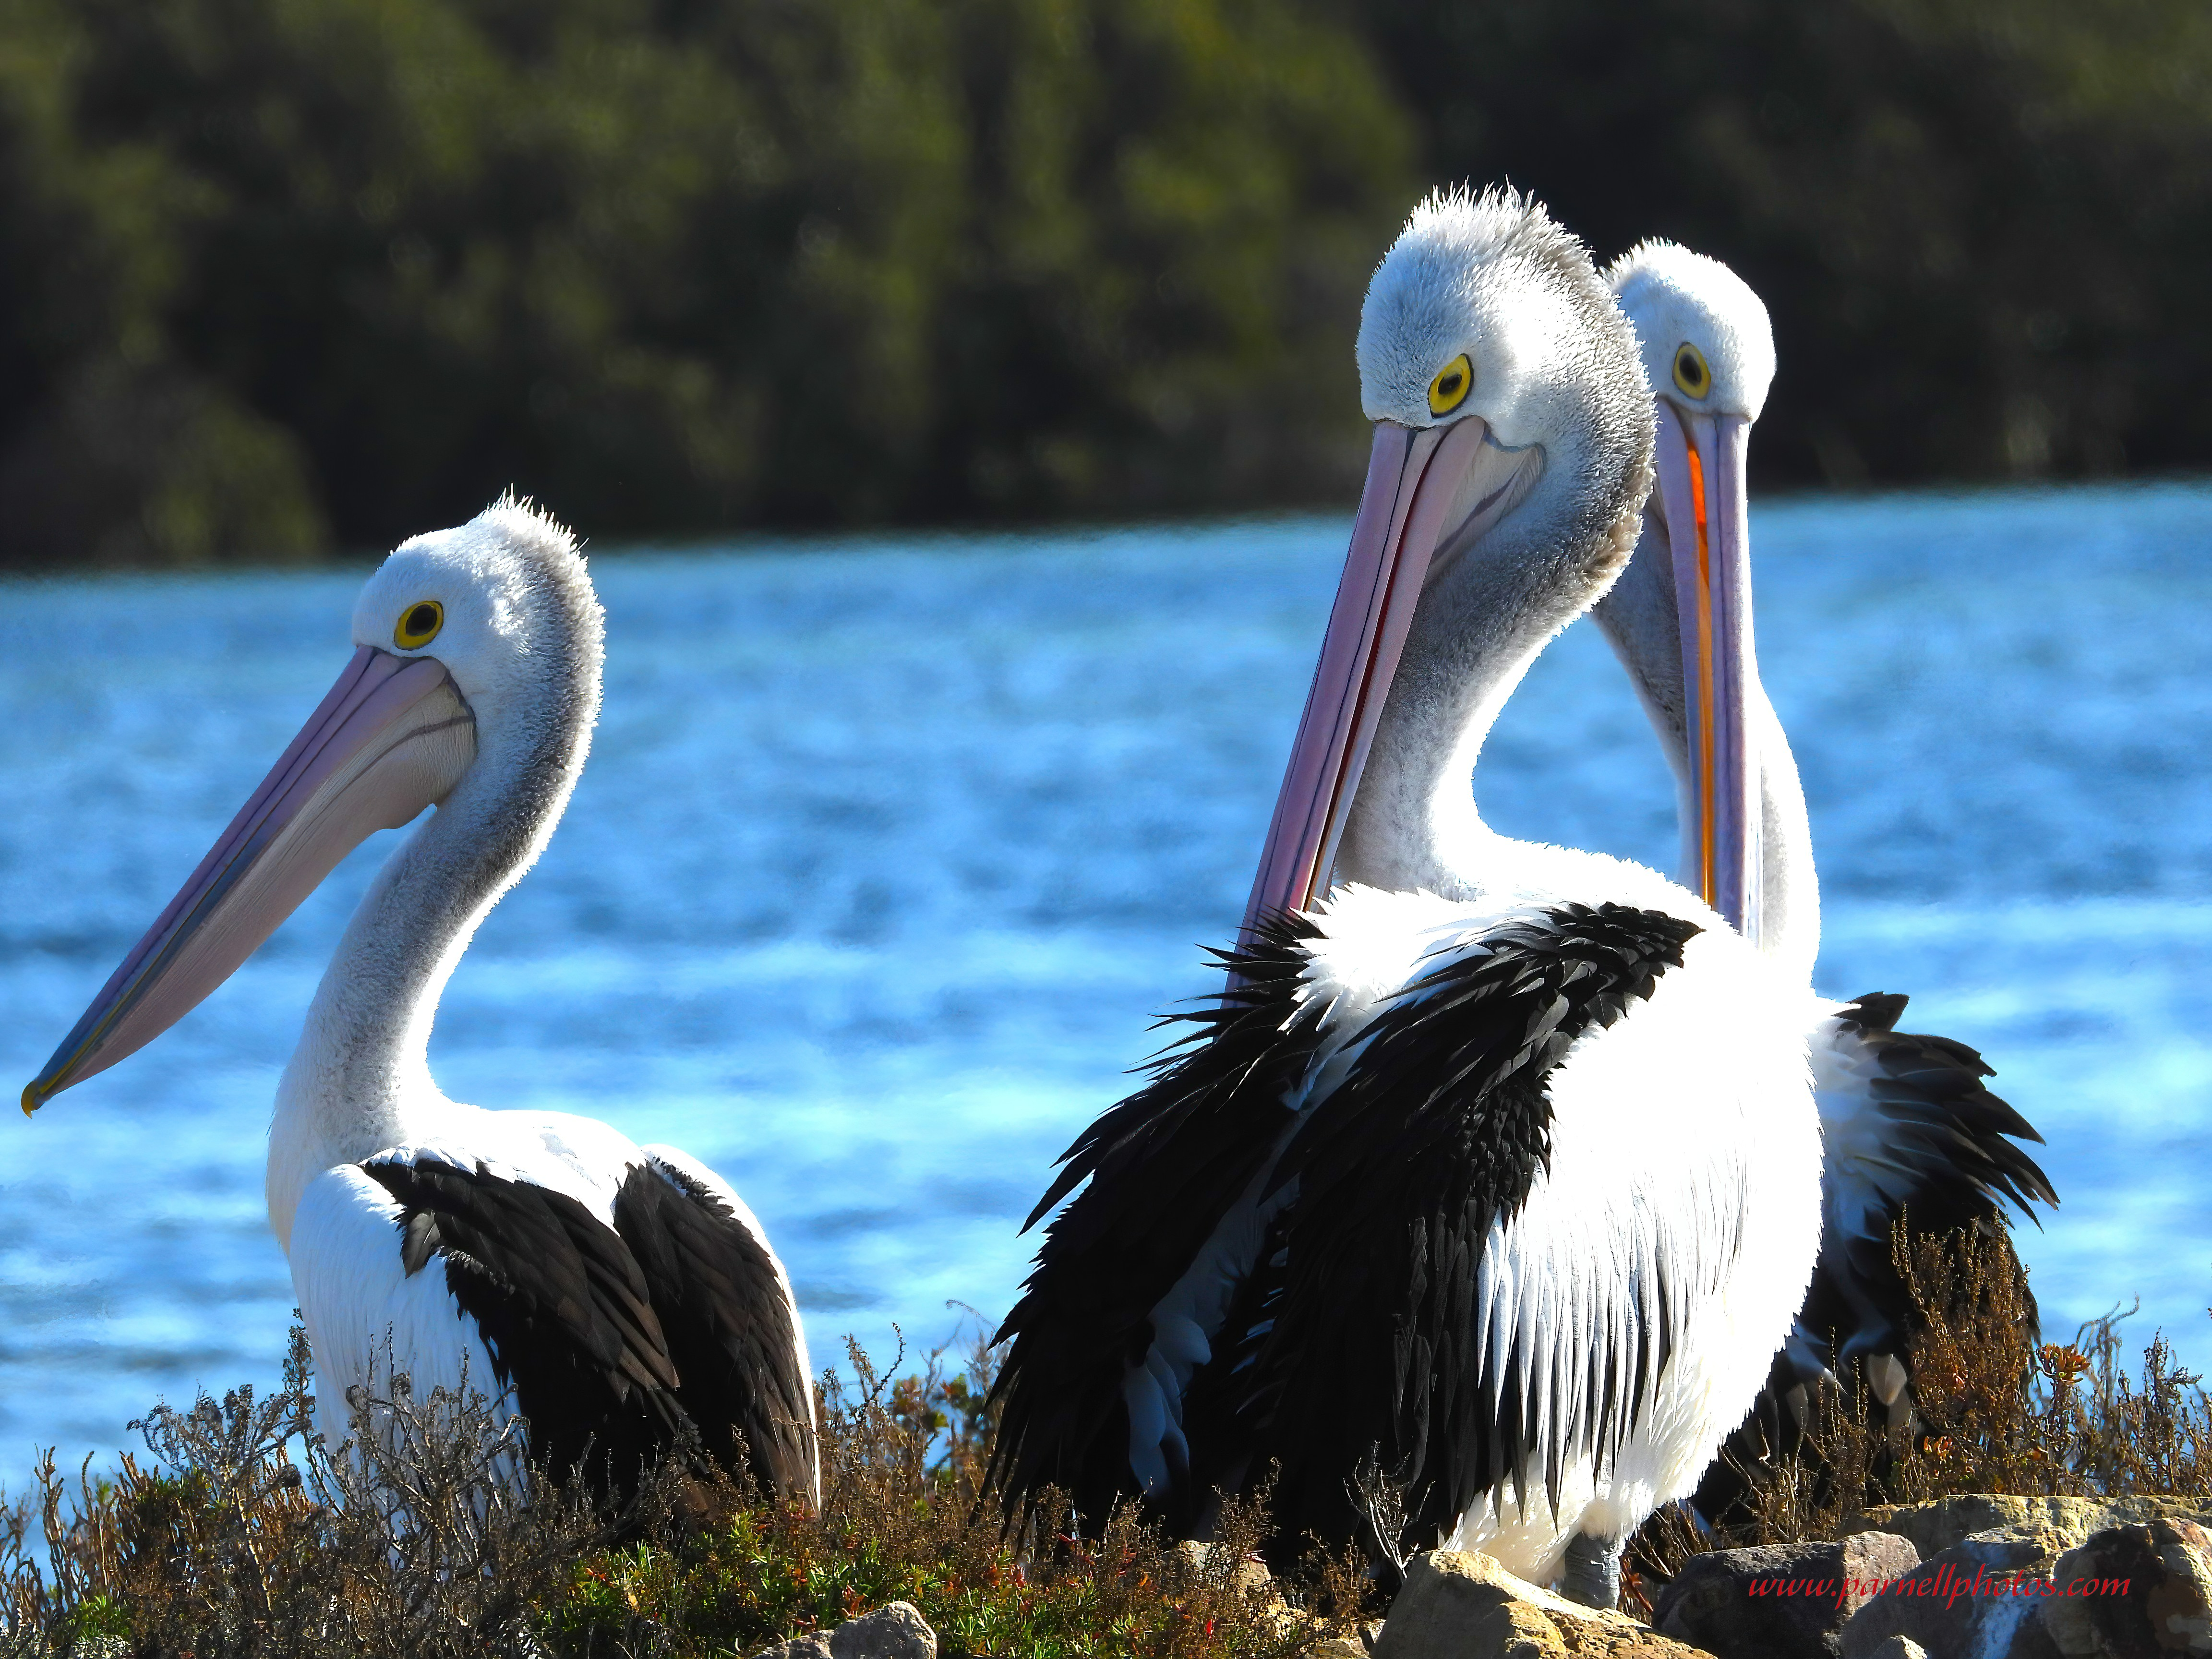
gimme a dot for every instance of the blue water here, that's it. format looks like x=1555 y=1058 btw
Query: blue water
x=888 y=850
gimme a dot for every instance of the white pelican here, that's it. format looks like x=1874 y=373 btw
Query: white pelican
x=609 y=1292
x=1909 y=1131
x=1480 y=1204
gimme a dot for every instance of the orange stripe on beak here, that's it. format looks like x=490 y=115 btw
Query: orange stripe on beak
x=1702 y=738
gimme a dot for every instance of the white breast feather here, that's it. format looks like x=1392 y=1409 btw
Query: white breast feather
x=1683 y=1146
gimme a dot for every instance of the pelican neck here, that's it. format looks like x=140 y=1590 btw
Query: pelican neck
x=1414 y=824
x=358 y=1082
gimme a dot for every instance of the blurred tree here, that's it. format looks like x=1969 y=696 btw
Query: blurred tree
x=281 y=270
x=110 y=448
x=276 y=274
x=1979 y=224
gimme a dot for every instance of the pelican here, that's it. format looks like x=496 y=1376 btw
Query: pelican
x=1911 y=1132
x=620 y=1298
x=1471 y=1214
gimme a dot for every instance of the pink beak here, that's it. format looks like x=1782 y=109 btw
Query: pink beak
x=392 y=737
x=1413 y=480
x=1704 y=495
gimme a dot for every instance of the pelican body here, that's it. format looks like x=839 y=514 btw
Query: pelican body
x=621 y=1298
x=1471 y=1214
x=1911 y=1132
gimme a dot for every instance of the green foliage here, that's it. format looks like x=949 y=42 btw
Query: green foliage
x=279 y=271
x=904 y=1518
x=2001 y=1411
x=246 y=1535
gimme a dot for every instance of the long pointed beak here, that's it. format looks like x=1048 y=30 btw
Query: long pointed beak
x=392 y=737
x=1704 y=495
x=1414 y=480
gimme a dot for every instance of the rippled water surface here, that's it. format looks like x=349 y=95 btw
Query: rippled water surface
x=887 y=852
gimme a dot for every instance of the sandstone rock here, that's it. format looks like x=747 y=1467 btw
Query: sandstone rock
x=1339 y=1647
x=1976 y=1599
x=1936 y=1525
x=1782 y=1601
x=1467 y=1607
x=896 y=1632
x=2140 y=1592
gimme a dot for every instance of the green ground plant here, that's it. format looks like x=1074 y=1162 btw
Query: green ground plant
x=243 y=1535
x=239 y=1534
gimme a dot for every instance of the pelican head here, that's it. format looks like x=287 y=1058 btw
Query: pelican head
x=473 y=685
x=1511 y=454
x=1707 y=345
x=1680 y=616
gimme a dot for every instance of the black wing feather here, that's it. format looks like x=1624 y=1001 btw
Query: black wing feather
x=617 y=1343
x=564 y=1311
x=1950 y=1165
x=729 y=1325
x=1163 y=1167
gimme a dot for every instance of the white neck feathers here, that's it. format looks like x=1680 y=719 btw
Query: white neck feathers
x=1414 y=824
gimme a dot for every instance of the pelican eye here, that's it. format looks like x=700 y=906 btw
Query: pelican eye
x=419 y=625
x=1450 y=389
x=1689 y=371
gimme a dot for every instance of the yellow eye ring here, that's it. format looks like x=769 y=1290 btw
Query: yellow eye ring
x=1689 y=371
x=1452 y=382
x=418 y=624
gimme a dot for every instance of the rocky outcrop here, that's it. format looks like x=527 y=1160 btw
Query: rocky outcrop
x=815 y=1646
x=2052 y=1578
x=1466 y=1607
x=1937 y=1524
x=2134 y=1593
x=1973 y=1599
x=1782 y=1601
x=1976 y=1577
x=896 y=1632
x=2053 y=1584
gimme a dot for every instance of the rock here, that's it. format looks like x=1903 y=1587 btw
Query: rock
x=1976 y=1600
x=1936 y=1525
x=1248 y=1577
x=1781 y=1601
x=815 y=1646
x=1338 y=1647
x=1900 y=1647
x=2141 y=1592
x=896 y=1632
x=1459 y=1606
